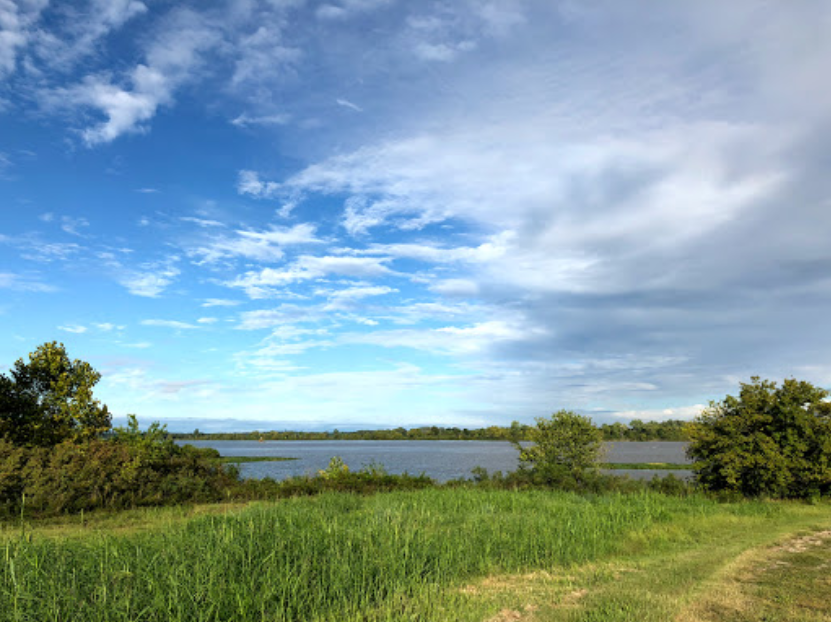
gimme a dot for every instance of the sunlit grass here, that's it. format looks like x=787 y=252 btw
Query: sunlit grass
x=396 y=556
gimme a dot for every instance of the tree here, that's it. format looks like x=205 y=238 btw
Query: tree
x=770 y=441
x=565 y=446
x=49 y=399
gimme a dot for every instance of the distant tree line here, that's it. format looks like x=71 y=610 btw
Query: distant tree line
x=636 y=430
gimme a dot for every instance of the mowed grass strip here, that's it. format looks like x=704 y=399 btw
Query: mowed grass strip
x=721 y=567
x=789 y=581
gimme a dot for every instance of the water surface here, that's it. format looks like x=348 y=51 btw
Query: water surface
x=441 y=460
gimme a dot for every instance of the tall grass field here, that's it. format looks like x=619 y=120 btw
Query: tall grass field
x=338 y=557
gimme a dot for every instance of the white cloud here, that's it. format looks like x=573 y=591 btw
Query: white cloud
x=684 y=413
x=74 y=328
x=73 y=226
x=141 y=345
x=82 y=31
x=17 y=27
x=171 y=59
x=345 y=103
x=456 y=287
x=220 y=302
x=108 y=327
x=442 y=52
x=492 y=250
x=308 y=267
x=284 y=315
x=9 y=280
x=263 y=56
x=149 y=284
x=449 y=340
x=258 y=245
x=207 y=320
x=345 y=9
x=202 y=222
x=344 y=299
x=169 y=324
x=249 y=183
x=244 y=120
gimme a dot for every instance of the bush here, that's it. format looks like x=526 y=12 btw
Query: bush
x=70 y=477
x=565 y=451
x=770 y=441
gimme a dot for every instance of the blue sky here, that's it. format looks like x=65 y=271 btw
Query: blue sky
x=370 y=213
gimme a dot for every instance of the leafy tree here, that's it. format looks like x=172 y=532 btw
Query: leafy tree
x=49 y=400
x=566 y=446
x=770 y=441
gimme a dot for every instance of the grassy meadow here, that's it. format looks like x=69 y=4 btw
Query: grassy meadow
x=436 y=554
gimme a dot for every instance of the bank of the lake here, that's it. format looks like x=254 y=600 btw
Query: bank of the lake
x=441 y=460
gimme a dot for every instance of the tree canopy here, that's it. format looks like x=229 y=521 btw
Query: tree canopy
x=48 y=399
x=769 y=441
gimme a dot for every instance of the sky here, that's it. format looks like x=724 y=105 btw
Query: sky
x=318 y=214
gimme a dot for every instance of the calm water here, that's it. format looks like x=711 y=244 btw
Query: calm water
x=441 y=460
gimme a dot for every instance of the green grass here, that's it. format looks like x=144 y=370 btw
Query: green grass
x=664 y=466
x=399 y=556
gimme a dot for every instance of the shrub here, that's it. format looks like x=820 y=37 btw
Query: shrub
x=770 y=441
x=565 y=451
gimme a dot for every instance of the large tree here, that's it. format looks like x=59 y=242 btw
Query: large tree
x=49 y=399
x=769 y=441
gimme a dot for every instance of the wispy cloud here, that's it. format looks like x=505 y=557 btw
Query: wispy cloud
x=9 y=280
x=74 y=328
x=258 y=283
x=202 y=222
x=249 y=183
x=265 y=245
x=169 y=324
x=18 y=21
x=148 y=284
x=348 y=104
x=220 y=302
x=245 y=120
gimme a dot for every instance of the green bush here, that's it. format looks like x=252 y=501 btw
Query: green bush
x=72 y=477
x=770 y=441
x=565 y=450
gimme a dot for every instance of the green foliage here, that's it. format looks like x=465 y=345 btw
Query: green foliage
x=49 y=400
x=565 y=447
x=770 y=441
x=129 y=471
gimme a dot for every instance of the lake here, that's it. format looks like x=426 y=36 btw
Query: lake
x=441 y=460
